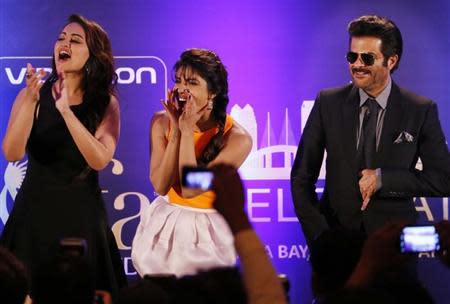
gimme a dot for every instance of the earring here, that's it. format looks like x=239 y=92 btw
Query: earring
x=86 y=68
x=210 y=104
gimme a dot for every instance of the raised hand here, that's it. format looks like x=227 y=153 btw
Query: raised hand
x=380 y=251
x=230 y=198
x=62 y=101
x=172 y=107
x=33 y=82
x=191 y=115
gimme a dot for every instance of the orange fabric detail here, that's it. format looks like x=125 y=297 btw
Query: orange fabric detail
x=206 y=199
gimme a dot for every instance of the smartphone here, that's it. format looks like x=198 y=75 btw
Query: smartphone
x=197 y=178
x=414 y=239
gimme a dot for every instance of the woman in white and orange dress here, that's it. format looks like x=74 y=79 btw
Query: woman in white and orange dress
x=180 y=232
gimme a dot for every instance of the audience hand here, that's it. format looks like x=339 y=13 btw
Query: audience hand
x=230 y=197
x=443 y=228
x=103 y=297
x=380 y=252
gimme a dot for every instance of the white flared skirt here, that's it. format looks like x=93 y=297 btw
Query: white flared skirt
x=173 y=239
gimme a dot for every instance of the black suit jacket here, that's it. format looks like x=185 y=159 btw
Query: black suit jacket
x=332 y=127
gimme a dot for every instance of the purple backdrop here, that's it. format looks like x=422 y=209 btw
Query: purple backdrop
x=279 y=54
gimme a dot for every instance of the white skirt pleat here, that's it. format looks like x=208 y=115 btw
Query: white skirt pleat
x=173 y=239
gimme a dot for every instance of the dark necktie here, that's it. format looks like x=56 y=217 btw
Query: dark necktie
x=367 y=141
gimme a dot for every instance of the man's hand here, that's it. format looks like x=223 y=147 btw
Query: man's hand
x=367 y=186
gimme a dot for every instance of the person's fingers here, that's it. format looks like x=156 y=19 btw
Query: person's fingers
x=29 y=72
x=169 y=106
x=217 y=171
x=223 y=172
x=365 y=203
x=35 y=83
x=443 y=229
x=39 y=85
x=203 y=109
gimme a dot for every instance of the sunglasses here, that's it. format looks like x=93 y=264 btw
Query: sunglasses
x=367 y=58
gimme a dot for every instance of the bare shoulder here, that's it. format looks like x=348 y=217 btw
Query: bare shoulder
x=114 y=102
x=160 y=121
x=239 y=134
x=160 y=118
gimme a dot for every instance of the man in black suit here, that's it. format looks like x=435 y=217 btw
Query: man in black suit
x=370 y=168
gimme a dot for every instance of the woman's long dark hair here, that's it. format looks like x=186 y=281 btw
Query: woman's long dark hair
x=209 y=66
x=99 y=74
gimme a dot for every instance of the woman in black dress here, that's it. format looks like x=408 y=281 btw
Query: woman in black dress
x=69 y=127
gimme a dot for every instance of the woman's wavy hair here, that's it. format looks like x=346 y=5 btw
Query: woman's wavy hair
x=209 y=66
x=99 y=79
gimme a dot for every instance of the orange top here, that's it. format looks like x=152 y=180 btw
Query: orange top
x=206 y=199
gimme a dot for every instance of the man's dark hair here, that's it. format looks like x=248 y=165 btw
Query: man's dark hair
x=379 y=27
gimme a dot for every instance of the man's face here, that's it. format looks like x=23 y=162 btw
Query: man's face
x=371 y=78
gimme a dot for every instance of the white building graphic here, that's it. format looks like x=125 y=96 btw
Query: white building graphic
x=260 y=164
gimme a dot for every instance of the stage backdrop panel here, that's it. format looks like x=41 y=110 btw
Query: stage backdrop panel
x=279 y=54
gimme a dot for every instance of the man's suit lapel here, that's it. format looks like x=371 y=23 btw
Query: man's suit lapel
x=391 y=125
x=350 y=112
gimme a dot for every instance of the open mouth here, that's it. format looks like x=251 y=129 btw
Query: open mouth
x=181 y=103
x=64 y=55
x=182 y=97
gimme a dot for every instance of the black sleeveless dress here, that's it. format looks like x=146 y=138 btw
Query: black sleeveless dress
x=60 y=197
